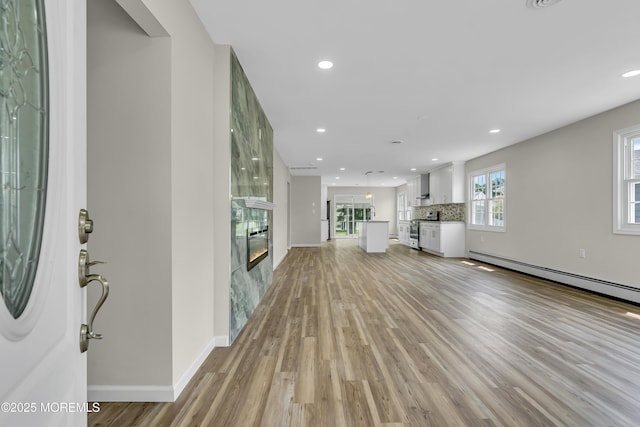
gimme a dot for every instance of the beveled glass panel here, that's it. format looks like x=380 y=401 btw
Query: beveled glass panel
x=24 y=124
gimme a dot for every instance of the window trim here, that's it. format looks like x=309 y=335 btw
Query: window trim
x=487 y=173
x=621 y=180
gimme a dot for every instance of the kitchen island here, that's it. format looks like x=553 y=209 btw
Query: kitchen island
x=373 y=236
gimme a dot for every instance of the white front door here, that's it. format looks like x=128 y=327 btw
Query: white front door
x=42 y=371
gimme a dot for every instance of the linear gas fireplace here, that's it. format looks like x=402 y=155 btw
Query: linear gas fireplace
x=257 y=246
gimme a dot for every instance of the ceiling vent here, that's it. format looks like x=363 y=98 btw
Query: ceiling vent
x=541 y=4
x=298 y=168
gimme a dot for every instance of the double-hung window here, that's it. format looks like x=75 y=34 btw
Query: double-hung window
x=626 y=179
x=487 y=199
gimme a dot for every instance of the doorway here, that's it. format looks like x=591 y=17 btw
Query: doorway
x=349 y=211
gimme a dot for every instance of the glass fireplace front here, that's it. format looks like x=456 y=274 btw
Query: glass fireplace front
x=257 y=246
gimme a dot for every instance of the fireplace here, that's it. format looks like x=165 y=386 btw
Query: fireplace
x=257 y=246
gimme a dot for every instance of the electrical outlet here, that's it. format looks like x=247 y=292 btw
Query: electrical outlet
x=582 y=253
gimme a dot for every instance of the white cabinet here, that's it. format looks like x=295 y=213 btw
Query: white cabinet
x=373 y=236
x=445 y=239
x=403 y=232
x=416 y=187
x=446 y=184
x=412 y=190
x=430 y=236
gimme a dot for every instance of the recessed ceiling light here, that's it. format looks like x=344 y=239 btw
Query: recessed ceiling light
x=413 y=169
x=631 y=73
x=494 y=131
x=325 y=65
x=319 y=159
x=321 y=130
x=395 y=177
x=337 y=177
x=255 y=159
x=342 y=169
x=435 y=159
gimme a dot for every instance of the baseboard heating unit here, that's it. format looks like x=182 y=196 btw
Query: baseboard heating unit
x=616 y=290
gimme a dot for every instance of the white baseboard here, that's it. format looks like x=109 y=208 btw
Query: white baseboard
x=154 y=393
x=616 y=290
x=221 y=341
x=130 y=393
x=306 y=245
x=277 y=262
x=191 y=371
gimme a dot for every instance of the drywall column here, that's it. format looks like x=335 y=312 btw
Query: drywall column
x=305 y=205
x=222 y=192
x=129 y=199
x=174 y=178
x=281 y=177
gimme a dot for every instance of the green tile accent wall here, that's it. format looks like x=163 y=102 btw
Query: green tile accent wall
x=251 y=177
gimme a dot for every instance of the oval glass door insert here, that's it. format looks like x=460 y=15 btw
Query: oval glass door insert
x=24 y=134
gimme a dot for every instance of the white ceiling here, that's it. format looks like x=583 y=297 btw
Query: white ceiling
x=437 y=75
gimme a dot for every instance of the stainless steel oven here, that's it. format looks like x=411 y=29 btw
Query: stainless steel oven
x=414 y=234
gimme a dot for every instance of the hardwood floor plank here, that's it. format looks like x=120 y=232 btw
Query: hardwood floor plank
x=278 y=407
x=356 y=408
x=344 y=338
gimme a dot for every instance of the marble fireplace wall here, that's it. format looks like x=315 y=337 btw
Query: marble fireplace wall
x=251 y=177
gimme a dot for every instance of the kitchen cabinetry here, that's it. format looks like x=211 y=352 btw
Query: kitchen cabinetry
x=403 y=232
x=373 y=236
x=416 y=187
x=446 y=184
x=445 y=239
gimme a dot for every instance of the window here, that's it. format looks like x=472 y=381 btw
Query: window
x=487 y=190
x=626 y=169
x=401 y=205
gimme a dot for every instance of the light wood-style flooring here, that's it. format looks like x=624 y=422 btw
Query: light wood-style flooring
x=345 y=338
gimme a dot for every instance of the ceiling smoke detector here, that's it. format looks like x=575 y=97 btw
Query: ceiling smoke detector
x=541 y=4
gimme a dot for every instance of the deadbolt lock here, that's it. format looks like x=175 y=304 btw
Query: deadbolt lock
x=85 y=226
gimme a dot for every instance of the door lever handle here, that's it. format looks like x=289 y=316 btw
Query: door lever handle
x=86 y=331
x=84 y=278
x=83 y=267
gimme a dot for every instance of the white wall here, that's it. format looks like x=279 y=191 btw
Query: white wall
x=151 y=165
x=192 y=213
x=559 y=199
x=222 y=191
x=384 y=199
x=305 y=210
x=281 y=179
x=129 y=198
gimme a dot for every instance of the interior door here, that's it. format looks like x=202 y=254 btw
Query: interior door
x=42 y=370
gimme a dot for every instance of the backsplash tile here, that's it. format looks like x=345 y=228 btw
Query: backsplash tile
x=447 y=212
